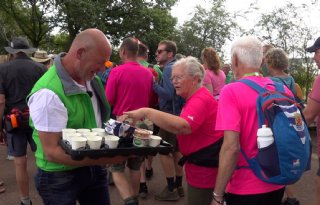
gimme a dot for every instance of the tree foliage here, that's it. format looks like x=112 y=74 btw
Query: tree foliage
x=208 y=27
x=285 y=28
x=33 y=18
x=36 y=19
x=149 y=20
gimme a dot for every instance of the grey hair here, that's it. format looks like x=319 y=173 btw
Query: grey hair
x=192 y=67
x=249 y=51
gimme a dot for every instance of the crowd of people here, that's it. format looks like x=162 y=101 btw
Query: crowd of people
x=197 y=106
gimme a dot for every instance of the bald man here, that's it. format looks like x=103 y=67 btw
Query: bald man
x=69 y=95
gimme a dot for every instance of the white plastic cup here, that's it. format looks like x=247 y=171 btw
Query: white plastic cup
x=88 y=134
x=94 y=141
x=100 y=131
x=69 y=136
x=66 y=132
x=154 y=141
x=112 y=141
x=83 y=130
x=78 y=142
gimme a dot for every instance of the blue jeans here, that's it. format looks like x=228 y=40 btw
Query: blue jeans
x=87 y=185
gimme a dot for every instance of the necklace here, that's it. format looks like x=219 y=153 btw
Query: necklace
x=252 y=74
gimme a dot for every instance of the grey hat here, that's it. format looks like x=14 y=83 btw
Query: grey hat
x=19 y=44
x=41 y=56
x=315 y=46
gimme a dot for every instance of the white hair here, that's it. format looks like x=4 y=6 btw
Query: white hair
x=249 y=51
x=192 y=67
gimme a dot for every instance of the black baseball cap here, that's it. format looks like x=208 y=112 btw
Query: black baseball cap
x=315 y=46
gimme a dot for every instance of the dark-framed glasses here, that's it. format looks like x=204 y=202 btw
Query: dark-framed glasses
x=159 y=51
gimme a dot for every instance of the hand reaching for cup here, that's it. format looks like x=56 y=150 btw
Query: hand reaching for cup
x=135 y=115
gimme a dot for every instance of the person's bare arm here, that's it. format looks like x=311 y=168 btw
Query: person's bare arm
x=227 y=163
x=54 y=152
x=169 y=122
x=311 y=111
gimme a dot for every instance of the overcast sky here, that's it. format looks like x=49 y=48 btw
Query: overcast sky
x=184 y=11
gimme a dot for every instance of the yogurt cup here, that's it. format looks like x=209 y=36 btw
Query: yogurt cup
x=141 y=141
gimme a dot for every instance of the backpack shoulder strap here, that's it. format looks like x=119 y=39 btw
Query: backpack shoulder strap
x=279 y=87
x=252 y=84
x=282 y=87
x=259 y=90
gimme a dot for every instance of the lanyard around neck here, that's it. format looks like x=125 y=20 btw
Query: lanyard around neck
x=252 y=74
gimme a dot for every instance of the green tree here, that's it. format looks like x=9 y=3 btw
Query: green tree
x=118 y=19
x=34 y=18
x=208 y=27
x=284 y=27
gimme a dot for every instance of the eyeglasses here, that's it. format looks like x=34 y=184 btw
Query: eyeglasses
x=159 y=51
x=177 y=78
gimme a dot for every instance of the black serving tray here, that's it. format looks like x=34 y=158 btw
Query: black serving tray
x=125 y=148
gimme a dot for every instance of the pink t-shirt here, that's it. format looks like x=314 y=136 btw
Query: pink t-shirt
x=217 y=81
x=200 y=112
x=129 y=87
x=315 y=95
x=237 y=112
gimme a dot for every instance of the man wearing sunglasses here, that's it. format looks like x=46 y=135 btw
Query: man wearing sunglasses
x=171 y=103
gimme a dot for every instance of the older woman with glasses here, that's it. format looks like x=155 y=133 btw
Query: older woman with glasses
x=195 y=129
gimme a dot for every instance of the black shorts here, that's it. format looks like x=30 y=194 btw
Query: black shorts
x=18 y=141
x=170 y=138
x=273 y=197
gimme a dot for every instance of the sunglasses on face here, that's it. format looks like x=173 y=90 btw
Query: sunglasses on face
x=159 y=51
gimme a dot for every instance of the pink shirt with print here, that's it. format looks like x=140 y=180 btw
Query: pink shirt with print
x=216 y=81
x=315 y=95
x=237 y=112
x=200 y=112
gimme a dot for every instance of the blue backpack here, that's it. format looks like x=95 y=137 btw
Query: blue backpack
x=285 y=160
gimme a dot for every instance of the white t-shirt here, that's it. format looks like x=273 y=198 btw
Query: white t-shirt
x=49 y=114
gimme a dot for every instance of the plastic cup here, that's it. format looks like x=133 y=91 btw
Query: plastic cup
x=66 y=132
x=111 y=140
x=71 y=135
x=100 y=131
x=78 y=142
x=88 y=134
x=94 y=141
x=154 y=141
x=140 y=141
x=82 y=130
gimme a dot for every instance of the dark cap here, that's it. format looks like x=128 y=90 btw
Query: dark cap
x=315 y=46
x=19 y=44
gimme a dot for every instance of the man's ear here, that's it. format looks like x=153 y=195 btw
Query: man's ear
x=170 y=54
x=80 y=52
x=235 y=60
x=121 y=52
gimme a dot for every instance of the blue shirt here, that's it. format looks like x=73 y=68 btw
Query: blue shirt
x=166 y=92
